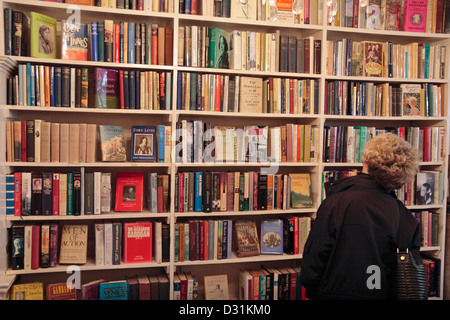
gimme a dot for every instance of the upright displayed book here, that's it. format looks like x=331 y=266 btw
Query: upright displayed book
x=219 y=48
x=129 y=191
x=106 y=88
x=112 y=143
x=301 y=196
x=415 y=15
x=73 y=246
x=43 y=40
x=246 y=238
x=143 y=143
x=74 y=41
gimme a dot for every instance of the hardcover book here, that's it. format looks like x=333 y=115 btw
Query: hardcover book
x=112 y=143
x=392 y=18
x=372 y=59
x=129 y=191
x=113 y=290
x=425 y=188
x=43 y=36
x=107 y=89
x=243 y=9
x=301 y=196
x=74 y=41
x=137 y=242
x=90 y=290
x=415 y=15
x=218 y=48
x=216 y=287
x=60 y=291
x=143 y=143
x=374 y=15
x=272 y=236
x=28 y=291
x=246 y=238
x=250 y=95
x=410 y=99
x=73 y=246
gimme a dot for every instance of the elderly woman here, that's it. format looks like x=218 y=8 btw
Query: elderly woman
x=356 y=228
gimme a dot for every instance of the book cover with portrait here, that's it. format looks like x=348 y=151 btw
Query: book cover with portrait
x=143 y=143
x=129 y=191
x=43 y=36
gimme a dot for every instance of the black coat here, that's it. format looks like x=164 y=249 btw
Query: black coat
x=355 y=228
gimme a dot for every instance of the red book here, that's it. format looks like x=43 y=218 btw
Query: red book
x=160 y=193
x=17 y=194
x=181 y=192
x=117 y=43
x=291 y=96
x=137 y=242
x=35 y=247
x=155 y=44
x=202 y=241
x=121 y=90
x=426 y=143
x=217 y=98
x=129 y=191
x=168 y=59
x=355 y=13
x=293 y=285
x=55 y=194
x=192 y=236
x=193 y=6
x=23 y=135
x=415 y=15
x=439 y=16
x=299 y=142
x=183 y=286
x=206 y=240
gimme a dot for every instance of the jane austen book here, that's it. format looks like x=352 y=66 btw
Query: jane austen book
x=143 y=143
x=74 y=41
x=107 y=88
x=43 y=36
x=137 y=246
x=112 y=143
x=301 y=196
x=246 y=238
x=73 y=246
x=129 y=191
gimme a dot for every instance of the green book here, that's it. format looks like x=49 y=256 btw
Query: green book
x=43 y=36
x=101 y=40
x=70 y=193
x=148 y=44
x=219 y=48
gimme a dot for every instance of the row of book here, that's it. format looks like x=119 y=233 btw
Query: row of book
x=256 y=10
x=84 y=193
x=198 y=141
x=68 y=87
x=154 y=286
x=131 y=242
x=271 y=283
x=241 y=191
x=143 y=5
x=225 y=93
x=433 y=272
x=216 y=239
x=346 y=143
x=396 y=15
x=429 y=227
x=415 y=60
x=384 y=100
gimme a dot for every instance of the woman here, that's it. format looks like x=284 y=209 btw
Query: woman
x=356 y=227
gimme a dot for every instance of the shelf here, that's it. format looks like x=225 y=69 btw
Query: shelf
x=87 y=110
x=90 y=165
x=193 y=113
x=89 y=266
x=244 y=213
x=247 y=164
x=381 y=118
x=385 y=33
x=236 y=259
x=114 y=215
x=383 y=79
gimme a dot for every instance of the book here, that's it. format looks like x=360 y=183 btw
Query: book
x=250 y=93
x=410 y=99
x=243 y=9
x=106 y=88
x=112 y=143
x=113 y=290
x=60 y=291
x=73 y=245
x=372 y=58
x=143 y=143
x=42 y=36
x=272 y=236
x=129 y=191
x=90 y=290
x=218 y=48
x=415 y=15
x=74 y=41
x=28 y=291
x=216 y=287
x=246 y=238
x=137 y=245
x=425 y=188
x=301 y=196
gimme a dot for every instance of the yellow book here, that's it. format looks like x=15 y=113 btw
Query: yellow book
x=28 y=291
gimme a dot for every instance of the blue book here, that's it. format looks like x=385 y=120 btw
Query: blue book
x=187 y=6
x=179 y=92
x=52 y=86
x=161 y=142
x=126 y=93
x=33 y=85
x=198 y=197
x=138 y=90
x=230 y=237
x=8 y=18
x=58 y=87
x=131 y=41
x=10 y=194
x=272 y=236
x=225 y=240
x=28 y=75
x=122 y=47
x=143 y=143
x=132 y=89
x=114 y=290
x=94 y=41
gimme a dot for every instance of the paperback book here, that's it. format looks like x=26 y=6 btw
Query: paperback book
x=112 y=143
x=43 y=36
x=74 y=41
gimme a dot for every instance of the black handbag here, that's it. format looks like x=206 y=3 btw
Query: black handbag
x=409 y=281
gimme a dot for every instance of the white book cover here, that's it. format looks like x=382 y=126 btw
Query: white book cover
x=157 y=244
x=235 y=50
x=26 y=193
x=63 y=194
x=28 y=232
x=97 y=192
x=108 y=233
x=194 y=46
x=243 y=9
x=100 y=244
x=105 y=197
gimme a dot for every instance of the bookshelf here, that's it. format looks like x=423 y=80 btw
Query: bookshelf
x=170 y=117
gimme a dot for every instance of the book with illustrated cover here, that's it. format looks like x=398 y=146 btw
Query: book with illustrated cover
x=425 y=188
x=112 y=143
x=74 y=41
x=73 y=246
x=143 y=143
x=272 y=236
x=28 y=291
x=392 y=18
x=43 y=36
x=301 y=196
x=216 y=287
x=243 y=9
x=374 y=15
x=246 y=238
x=415 y=15
x=410 y=99
x=219 y=48
x=372 y=59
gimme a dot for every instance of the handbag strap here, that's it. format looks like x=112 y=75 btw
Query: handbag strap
x=402 y=243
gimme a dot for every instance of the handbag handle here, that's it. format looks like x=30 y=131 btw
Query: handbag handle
x=402 y=243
